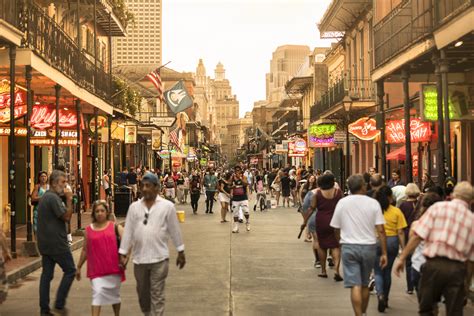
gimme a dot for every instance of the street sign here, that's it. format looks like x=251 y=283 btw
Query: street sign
x=162 y=121
x=340 y=137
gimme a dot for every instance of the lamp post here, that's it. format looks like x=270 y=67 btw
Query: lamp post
x=347 y=103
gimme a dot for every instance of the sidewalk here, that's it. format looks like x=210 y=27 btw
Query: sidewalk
x=23 y=265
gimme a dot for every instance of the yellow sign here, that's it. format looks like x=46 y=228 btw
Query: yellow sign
x=130 y=134
x=155 y=139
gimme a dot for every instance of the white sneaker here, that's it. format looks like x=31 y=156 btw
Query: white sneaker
x=247 y=225
x=236 y=228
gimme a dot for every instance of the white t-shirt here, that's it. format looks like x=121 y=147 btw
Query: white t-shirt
x=356 y=216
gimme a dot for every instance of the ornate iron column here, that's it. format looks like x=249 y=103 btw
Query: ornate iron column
x=444 y=68
x=29 y=105
x=78 y=167
x=57 y=89
x=439 y=90
x=381 y=126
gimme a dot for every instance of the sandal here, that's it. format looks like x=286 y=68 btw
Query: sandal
x=323 y=275
x=338 y=278
x=224 y=221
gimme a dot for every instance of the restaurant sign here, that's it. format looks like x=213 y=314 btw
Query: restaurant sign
x=419 y=131
x=20 y=101
x=364 y=128
x=321 y=135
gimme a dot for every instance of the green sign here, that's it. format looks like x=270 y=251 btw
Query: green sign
x=458 y=101
x=203 y=161
x=322 y=130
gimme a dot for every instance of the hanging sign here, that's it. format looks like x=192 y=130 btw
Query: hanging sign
x=130 y=134
x=297 y=148
x=162 y=121
x=155 y=139
x=321 y=135
x=203 y=161
x=364 y=128
x=415 y=164
x=419 y=131
x=101 y=123
x=20 y=101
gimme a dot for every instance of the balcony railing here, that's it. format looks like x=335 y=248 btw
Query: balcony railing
x=48 y=40
x=356 y=89
x=447 y=9
x=406 y=24
x=410 y=22
x=8 y=10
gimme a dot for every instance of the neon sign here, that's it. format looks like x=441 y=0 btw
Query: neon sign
x=321 y=135
x=364 y=128
x=20 y=106
x=44 y=117
x=419 y=131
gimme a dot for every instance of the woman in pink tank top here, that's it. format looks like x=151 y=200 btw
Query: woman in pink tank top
x=101 y=252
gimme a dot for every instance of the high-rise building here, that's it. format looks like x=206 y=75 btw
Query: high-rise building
x=285 y=63
x=143 y=43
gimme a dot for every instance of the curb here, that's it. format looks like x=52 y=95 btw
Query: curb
x=20 y=273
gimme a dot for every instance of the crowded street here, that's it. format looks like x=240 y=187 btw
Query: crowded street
x=267 y=271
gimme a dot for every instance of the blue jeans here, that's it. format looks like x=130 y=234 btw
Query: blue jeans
x=66 y=262
x=383 y=277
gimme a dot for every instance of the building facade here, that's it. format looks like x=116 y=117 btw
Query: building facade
x=143 y=44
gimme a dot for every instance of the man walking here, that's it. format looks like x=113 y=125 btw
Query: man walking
x=447 y=228
x=149 y=224
x=240 y=199
x=210 y=183
x=355 y=219
x=53 y=246
x=132 y=181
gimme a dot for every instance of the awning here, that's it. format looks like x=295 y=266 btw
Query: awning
x=397 y=154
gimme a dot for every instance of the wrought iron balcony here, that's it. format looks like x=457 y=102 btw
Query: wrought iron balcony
x=47 y=39
x=356 y=89
x=8 y=11
x=411 y=22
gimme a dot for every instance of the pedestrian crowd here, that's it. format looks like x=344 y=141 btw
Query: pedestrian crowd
x=362 y=229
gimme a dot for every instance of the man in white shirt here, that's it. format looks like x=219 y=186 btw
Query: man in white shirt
x=149 y=224
x=355 y=219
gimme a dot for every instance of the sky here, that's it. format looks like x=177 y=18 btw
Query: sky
x=242 y=34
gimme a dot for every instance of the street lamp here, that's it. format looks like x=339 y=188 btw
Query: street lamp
x=347 y=103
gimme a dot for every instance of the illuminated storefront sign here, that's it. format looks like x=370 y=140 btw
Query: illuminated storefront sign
x=395 y=131
x=20 y=101
x=321 y=135
x=44 y=116
x=364 y=128
x=460 y=101
x=297 y=148
x=130 y=134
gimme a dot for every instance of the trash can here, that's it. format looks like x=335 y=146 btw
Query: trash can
x=122 y=200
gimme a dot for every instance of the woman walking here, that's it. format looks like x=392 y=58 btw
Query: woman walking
x=224 y=187
x=40 y=188
x=285 y=188
x=276 y=186
x=408 y=208
x=325 y=200
x=180 y=188
x=186 y=187
x=195 y=189
x=101 y=242
x=306 y=189
x=395 y=224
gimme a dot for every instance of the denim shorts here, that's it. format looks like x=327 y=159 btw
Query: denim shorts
x=312 y=223
x=357 y=263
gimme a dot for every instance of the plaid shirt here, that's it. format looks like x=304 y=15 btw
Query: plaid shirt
x=448 y=231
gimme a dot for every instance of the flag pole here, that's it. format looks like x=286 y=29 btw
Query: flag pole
x=138 y=80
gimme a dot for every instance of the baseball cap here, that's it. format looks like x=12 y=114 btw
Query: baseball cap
x=150 y=177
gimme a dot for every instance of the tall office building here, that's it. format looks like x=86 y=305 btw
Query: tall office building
x=143 y=43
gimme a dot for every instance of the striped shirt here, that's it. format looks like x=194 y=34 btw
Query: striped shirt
x=448 y=231
x=149 y=242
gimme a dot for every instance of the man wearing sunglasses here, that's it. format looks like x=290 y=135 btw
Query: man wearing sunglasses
x=150 y=222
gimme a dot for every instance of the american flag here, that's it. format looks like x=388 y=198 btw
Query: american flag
x=174 y=138
x=155 y=78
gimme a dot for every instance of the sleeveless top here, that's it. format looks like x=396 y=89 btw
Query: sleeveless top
x=42 y=191
x=102 y=252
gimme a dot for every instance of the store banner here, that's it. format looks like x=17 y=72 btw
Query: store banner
x=155 y=139
x=20 y=101
x=321 y=135
x=364 y=128
x=460 y=102
x=131 y=134
x=297 y=148
x=395 y=131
